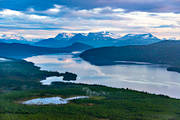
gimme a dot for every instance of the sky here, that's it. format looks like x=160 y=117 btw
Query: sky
x=35 y=19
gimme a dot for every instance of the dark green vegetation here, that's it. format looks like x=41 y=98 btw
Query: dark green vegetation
x=69 y=76
x=19 y=74
x=104 y=104
x=174 y=69
x=165 y=52
x=19 y=81
x=17 y=50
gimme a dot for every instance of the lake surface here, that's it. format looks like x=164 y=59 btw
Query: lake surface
x=52 y=100
x=146 y=77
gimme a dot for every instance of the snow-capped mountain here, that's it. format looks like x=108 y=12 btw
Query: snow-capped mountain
x=102 y=39
x=98 y=39
x=147 y=36
x=108 y=35
x=12 y=37
x=100 y=35
x=137 y=39
x=112 y=35
x=95 y=35
x=65 y=36
x=61 y=40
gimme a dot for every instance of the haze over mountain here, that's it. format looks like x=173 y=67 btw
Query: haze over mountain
x=14 y=38
x=98 y=39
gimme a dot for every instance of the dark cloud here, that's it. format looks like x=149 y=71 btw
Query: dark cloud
x=29 y=28
x=129 y=5
x=165 y=26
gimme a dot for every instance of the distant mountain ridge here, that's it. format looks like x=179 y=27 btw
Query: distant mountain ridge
x=65 y=36
x=19 y=51
x=95 y=39
x=13 y=38
x=147 y=36
x=98 y=39
x=137 y=39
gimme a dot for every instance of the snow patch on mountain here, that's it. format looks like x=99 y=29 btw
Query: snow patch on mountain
x=97 y=35
x=12 y=36
x=147 y=36
x=65 y=36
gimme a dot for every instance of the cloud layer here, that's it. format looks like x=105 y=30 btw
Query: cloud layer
x=130 y=5
x=37 y=19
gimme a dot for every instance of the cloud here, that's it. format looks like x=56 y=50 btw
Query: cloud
x=7 y=12
x=129 y=5
x=17 y=18
x=166 y=26
x=55 y=10
x=62 y=18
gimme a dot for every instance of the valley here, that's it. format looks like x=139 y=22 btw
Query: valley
x=89 y=60
x=103 y=102
x=50 y=79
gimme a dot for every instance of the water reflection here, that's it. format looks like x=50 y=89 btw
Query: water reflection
x=149 y=78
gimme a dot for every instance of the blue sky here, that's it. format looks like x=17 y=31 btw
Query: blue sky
x=46 y=18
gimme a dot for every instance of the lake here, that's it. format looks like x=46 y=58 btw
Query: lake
x=52 y=100
x=145 y=77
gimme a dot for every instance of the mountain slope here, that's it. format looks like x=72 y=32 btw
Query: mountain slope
x=77 y=47
x=16 y=50
x=52 y=42
x=15 y=41
x=98 y=39
x=164 y=52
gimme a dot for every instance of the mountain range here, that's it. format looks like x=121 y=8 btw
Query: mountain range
x=14 y=38
x=95 y=39
x=98 y=39
x=137 y=39
x=65 y=39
